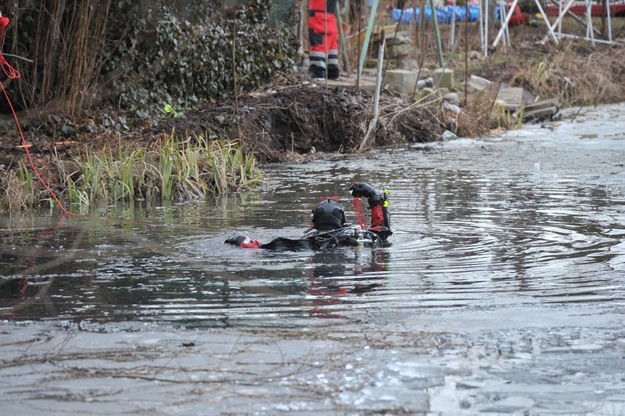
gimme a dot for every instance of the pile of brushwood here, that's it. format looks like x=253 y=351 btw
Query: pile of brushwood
x=294 y=119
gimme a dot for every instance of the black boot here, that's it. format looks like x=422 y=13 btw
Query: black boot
x=316 y=72
x=333 y=72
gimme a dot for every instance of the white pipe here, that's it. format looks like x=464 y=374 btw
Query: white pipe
x=376 y=99
x=504 y=25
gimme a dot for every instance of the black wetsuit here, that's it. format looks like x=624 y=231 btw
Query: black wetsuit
x=321 y=240
x=329 y=230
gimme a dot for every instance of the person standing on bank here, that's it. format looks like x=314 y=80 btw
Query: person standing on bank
x=323 y=34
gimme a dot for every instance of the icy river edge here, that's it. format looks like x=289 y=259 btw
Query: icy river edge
x=537 y=363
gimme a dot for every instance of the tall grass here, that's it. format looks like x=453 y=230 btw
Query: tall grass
x=19 y=189
x=173 y=171
x=166 y=163
x=484 y=114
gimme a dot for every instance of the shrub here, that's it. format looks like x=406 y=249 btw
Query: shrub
x=174 y=61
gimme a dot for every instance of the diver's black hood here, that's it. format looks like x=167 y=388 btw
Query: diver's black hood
x=328 y=215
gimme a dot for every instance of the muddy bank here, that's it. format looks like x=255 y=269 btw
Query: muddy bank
x=301 y=117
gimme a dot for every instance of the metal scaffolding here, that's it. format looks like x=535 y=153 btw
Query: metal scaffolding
x=555 y=29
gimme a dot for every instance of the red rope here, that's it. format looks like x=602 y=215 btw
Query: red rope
x=6 y=68
x=359 y=214
x=12 y=73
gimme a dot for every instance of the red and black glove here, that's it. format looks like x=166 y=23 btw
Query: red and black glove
x=362 y=189
x=379 y=214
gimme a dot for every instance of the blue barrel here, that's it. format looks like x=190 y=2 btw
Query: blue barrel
x=407 y=16
x=443 y=14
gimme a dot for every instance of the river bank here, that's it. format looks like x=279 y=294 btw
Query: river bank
x=297 y=119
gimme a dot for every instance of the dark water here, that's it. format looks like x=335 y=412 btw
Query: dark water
x=529 y=220
x=503 y=291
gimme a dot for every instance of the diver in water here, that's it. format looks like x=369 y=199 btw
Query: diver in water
x=330 y=228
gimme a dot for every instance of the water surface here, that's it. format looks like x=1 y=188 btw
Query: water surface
x=509 y=247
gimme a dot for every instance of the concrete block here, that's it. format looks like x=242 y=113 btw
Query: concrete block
x=401 y=81
x=444 y=77
x=539 y=113
x=399 y=50
x=475 y=83
x=512 y=97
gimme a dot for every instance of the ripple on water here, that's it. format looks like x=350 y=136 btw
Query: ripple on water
x=478 y=223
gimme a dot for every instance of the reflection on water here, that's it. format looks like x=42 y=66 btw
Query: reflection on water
x=115 y=270
x=477 y=224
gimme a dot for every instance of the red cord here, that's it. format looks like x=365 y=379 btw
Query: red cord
x=6 y=68
x=359 y=214
x=12 y=73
